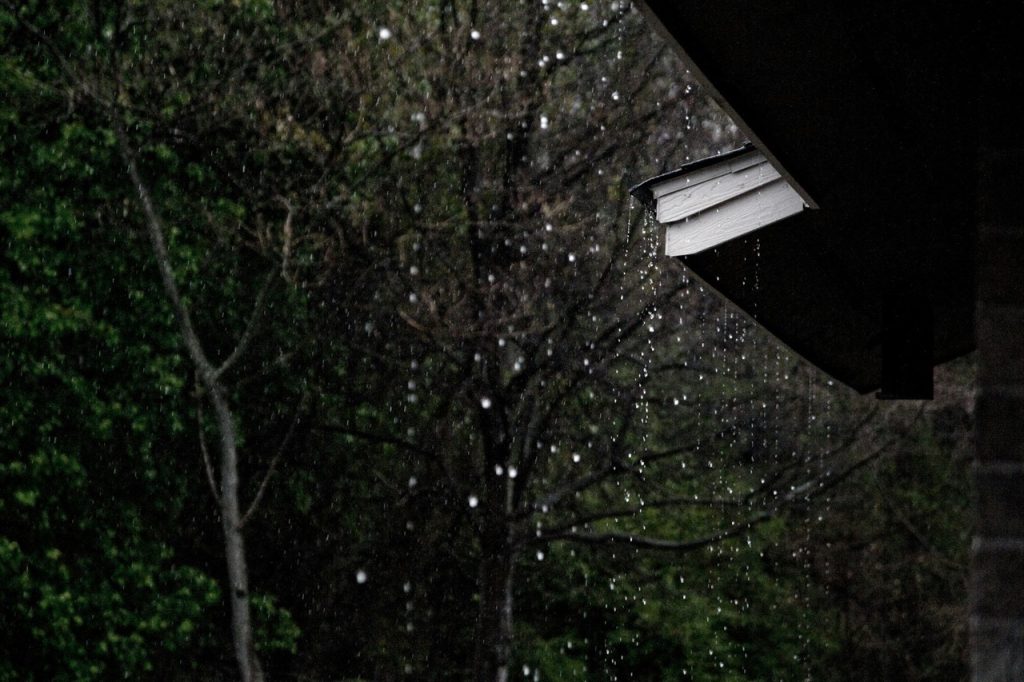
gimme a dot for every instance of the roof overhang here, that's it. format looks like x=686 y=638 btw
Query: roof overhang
x=712 y=201
x=865 y=111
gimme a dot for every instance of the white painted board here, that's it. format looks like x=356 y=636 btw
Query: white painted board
x=706 y=173
x=732 y=218
x=702 y=196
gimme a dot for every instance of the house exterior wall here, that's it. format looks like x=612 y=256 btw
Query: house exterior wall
x=997 y=553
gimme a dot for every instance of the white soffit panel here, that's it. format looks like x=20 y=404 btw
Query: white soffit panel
x=716 y=203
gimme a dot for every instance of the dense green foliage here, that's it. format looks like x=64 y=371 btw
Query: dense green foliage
x=468 y=351
x=91 y=583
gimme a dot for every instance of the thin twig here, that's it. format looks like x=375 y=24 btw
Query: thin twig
x=376 y=438
x=624 y=512
x=250 y=327
x=286 y=246
x=207 y=464
x=616 y=467
x=59 y=54
x=643 y=542
x=273 y=462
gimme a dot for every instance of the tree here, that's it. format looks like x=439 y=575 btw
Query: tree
x=506 y=327
x=114 y=93
x=91 y=583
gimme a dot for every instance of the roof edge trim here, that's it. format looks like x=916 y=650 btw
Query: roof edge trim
x=722 y=102
x=644 y=190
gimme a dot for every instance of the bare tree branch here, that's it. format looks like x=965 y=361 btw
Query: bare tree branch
x=286 y=236
x=616 y=467
x=155 y=230
x=375 y=438
x=644 y=542
x=207 y=464
x=273 y=462
x=66 y=67
x=250 y=326
x=626 y=512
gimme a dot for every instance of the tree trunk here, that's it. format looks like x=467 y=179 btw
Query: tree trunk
x=231 y=514
x=234 y=541
x=494 y=620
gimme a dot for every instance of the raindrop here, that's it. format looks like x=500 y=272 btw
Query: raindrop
x=512 y=472
x=361 y=576
x=384 y=33
x=474 y=34
x=540 y=555
x=473 y=501
x=485 y=403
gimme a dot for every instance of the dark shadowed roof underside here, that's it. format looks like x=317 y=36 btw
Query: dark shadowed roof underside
x=866 y=106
